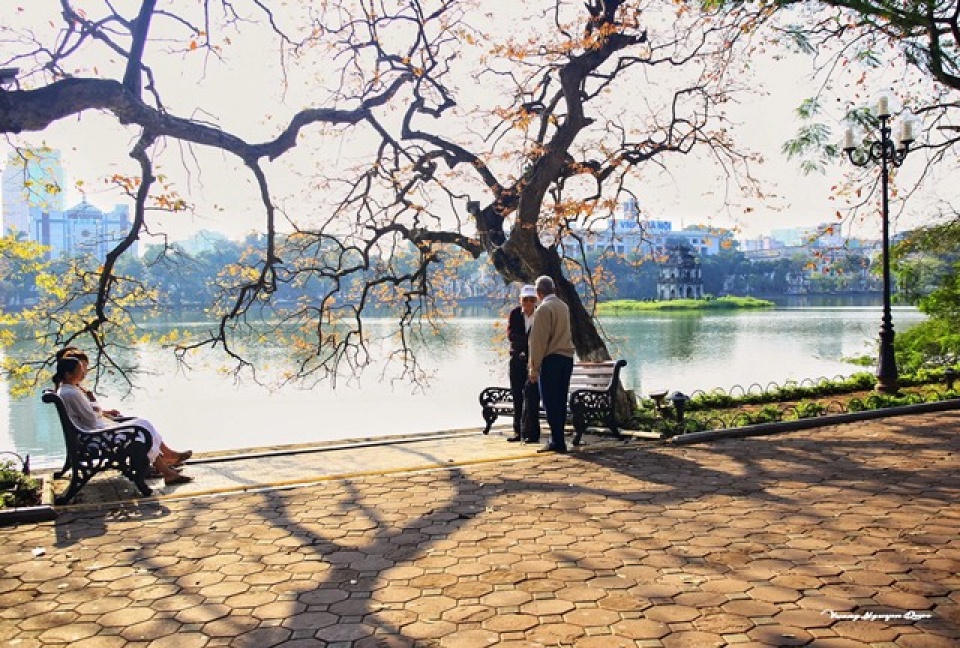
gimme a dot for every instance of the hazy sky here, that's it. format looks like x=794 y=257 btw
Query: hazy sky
x=94 y=147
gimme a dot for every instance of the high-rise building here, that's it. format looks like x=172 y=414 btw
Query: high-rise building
x=33 y=190
x=82 y=229
x=33 y=182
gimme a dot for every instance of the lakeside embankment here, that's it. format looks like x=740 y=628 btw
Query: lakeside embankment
x=622 y=306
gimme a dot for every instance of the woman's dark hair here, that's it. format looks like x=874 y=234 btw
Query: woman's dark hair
x=72 y=352
x=65 y=366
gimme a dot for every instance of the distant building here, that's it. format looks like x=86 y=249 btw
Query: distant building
x=33 y=191
x=202 y=241
x=824 y=235
x=33 y=182
x=760 y=243
x=82 y=229
x=680 y=276
x=626 y=233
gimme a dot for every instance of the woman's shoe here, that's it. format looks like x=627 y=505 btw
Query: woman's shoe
x=179 y=479
x=182 y=458
x=153 y=473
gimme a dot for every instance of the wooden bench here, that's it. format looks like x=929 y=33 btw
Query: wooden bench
x=123 y=447
x=591 y=399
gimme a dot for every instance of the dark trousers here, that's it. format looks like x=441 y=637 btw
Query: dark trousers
x=526 y=401
x=554 y=383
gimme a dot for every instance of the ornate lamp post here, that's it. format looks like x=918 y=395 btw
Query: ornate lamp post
x=884 y=151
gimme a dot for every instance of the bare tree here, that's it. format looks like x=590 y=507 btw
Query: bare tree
x=504 y=131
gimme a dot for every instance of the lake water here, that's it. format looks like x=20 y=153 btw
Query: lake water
x=204 y=410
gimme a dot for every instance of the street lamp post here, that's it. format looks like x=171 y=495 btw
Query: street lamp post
x=884 y=151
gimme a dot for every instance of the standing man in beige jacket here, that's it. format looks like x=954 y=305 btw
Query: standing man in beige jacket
x=551 y=359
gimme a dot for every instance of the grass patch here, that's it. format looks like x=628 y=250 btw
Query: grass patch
x=621 y=306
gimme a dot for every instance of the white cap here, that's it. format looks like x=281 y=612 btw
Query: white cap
x=528 y=291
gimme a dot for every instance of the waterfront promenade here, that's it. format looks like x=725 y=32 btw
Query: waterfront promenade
x=837 y=537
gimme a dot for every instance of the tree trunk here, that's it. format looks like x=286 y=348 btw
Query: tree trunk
x=587 y=341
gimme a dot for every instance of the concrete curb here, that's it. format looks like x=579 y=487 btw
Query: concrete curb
x=763 y=429
x=30 y=514
x=347 y=444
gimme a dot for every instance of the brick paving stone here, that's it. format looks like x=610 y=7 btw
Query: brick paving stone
x=69 y=633
x=725 y=585
x=100 y=641
x=309 y=620
x=619 y=602
x=473 y=638
x=823 y=603
x=535 y=566
x=773 y=594
x=693 y=639
x=642 y=629
x=547 y=607
x=431 y=607
x=232 y=626
x=553 y=634
x=581 y=594
x=805 y=619
x=510 y=623
x=925 y=641
x=126 y=617
x=391 y=619
x=751 y=608
x=428 y=630
x=700 y=599
x=605 y=641
x=181 y=640
x=592 y=618
x=469 y=614
x=672 y=613
x=470 y=569
x=866 y=577
x=506 y=598
x=38 y=616
x=780 y=635
x=434 y=581
x=867 y=631
x=102 y=605
x=722 y=623
x=150 y=630
x=730 y=531
x=391 y=594
x=839 y=642
x=247 y=599
x=467 y=590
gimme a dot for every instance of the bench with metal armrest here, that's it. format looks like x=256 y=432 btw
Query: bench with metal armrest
x=591 y=399
x=124 y=447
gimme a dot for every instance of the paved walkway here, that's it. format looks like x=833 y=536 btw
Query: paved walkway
x=838 y=537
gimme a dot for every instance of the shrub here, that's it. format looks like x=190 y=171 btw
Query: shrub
x=17 y=489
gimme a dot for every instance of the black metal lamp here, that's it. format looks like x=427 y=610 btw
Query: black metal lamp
x=884 y=151
x=949 y=376
x=679 y=400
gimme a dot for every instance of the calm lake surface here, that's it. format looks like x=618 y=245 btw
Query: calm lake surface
x=205 y=410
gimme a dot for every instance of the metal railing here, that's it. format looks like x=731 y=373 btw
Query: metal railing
x=676 y=413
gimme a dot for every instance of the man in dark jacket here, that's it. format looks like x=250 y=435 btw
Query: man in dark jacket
x=526 y=395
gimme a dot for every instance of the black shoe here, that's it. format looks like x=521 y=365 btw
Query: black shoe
x=514 y=438
x=552 y=448
x=532 y=439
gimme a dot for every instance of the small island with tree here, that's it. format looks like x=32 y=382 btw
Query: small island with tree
x=627 y=306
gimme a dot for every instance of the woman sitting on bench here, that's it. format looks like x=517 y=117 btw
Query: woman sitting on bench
x=71 y=370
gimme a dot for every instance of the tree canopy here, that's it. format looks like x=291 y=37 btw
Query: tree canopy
x=459 y=128
x=388 y=138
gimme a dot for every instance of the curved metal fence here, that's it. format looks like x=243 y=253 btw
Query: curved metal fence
x=756 y=404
